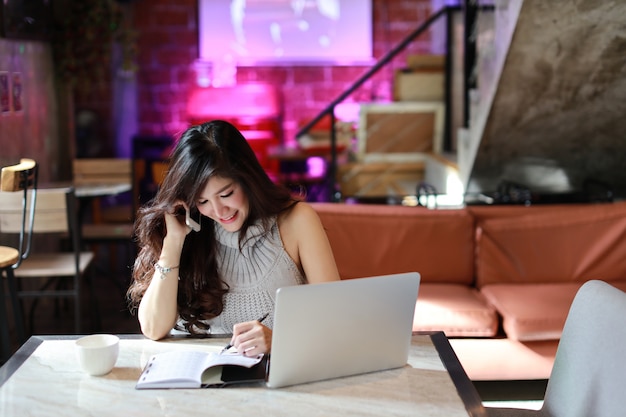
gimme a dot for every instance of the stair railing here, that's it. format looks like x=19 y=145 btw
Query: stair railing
x=330 y=108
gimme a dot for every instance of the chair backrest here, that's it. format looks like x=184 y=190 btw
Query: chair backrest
x=19 y=177
x=90 y=171
x=51 y=212
x=589 y=371
x=22 y=177
x=55 y=213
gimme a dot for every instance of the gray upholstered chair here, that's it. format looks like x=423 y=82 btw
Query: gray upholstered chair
x=589 y=371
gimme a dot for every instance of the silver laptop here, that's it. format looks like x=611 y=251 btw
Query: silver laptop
x=342 y=328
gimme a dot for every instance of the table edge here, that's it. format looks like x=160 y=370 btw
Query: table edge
x=464 y=386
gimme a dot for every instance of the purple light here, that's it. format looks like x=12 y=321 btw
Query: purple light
x=316 y=166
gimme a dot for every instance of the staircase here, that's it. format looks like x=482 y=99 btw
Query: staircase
x=547 y=118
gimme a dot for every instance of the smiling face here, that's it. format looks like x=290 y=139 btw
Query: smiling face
x=224 y=201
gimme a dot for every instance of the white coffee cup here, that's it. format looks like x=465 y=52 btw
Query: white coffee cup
x=97 y=353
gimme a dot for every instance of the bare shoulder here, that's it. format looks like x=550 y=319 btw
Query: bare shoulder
x=297 y=226
x=305 y=240
x=299 y=215
x=299 y=222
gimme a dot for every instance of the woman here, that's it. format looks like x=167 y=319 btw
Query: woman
x=254 y=237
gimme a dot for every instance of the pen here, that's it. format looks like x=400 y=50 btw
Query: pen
x=260 y=320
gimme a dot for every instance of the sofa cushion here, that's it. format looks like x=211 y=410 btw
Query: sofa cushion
x=572 y=244
x=457 y=310
x=370 y=239
x=497 y=359
x=534 y=311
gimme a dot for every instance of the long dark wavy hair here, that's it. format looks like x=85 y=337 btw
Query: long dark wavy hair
x=211 y=149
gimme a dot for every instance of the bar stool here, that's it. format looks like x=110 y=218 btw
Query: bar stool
x=21 y=177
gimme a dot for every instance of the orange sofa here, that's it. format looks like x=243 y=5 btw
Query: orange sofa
x=498 y=280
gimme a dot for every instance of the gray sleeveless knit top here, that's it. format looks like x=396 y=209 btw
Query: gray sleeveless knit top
x=253 y=275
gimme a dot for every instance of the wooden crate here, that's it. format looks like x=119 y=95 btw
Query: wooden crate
x=399 y=132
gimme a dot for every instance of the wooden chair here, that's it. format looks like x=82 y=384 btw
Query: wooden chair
x=21 y=177
x=589 y=370
x=90 y=172
x=51 y=274
x=113 y=225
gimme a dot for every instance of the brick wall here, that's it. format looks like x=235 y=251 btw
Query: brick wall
x=168 y=47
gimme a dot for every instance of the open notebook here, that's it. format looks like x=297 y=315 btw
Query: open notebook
x=342 y=328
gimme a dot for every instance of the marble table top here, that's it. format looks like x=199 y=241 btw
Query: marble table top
x=44 y=379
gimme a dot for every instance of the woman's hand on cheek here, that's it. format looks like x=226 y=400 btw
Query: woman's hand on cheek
x=175 y=225
x=252 y=338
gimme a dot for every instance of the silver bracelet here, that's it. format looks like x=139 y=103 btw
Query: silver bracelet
x=164 y=270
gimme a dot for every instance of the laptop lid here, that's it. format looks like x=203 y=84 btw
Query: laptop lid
x=342 y=328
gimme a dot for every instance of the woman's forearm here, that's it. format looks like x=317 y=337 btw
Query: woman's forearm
x=158 y=309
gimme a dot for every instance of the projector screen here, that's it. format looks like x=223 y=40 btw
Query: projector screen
x=275 y=32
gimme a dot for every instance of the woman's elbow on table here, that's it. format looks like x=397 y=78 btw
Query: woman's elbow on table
x=153 y=327
x=155 y=332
